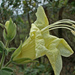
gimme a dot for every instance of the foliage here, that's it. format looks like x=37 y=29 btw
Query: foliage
x=37 y=68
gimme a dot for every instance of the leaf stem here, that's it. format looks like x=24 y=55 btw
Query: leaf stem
x=2 y=60
x=8 y=63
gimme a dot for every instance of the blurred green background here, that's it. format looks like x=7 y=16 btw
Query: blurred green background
x=23 y=12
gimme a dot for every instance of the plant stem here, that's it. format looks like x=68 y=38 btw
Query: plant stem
x=7 y=44
x=2 y=60
x=8 y=63
x=2 y=25
x=3 y=56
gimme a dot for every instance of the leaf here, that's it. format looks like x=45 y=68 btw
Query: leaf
x=21 y=60
x=7 y=69
x=2 y=47
x=3 y=72
x=11 y=49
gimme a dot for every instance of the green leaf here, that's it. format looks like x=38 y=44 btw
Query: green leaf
x=21 y=60
x=11 y=49
x=1 y=46
x=3 y=72
x=7 y=69
x=24 y=60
